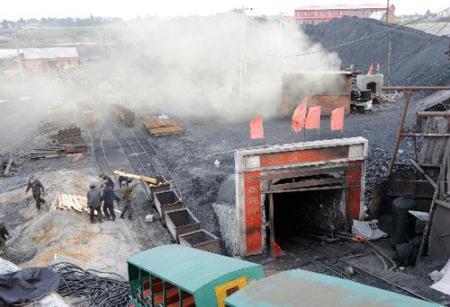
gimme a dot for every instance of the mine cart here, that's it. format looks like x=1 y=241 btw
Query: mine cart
x=304 y=288
x=174 y=275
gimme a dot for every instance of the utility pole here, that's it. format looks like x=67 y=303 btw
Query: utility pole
x=389 y=58
x=242 y=57
x=387 y=11
x=18 y=52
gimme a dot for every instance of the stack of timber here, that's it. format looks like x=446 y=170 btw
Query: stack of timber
x=47 y=153
x=123 y=115
x=70 y=135
x=161 y=125
x=66 y=141
x=69 y=202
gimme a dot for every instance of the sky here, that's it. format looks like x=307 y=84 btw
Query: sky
x=16 y=9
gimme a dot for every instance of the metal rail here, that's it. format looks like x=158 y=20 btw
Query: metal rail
x=102 y=164
x=159 y=164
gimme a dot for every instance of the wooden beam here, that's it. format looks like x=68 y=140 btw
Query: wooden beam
x=426 y=135
x=148 y=179
x=442 y=203
x=306 y=184
x=421 y=171
x=302 y=172
x=407 y=100
x=333 y=187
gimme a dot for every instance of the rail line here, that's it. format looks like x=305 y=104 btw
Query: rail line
x=343 y=269
x=103 y=165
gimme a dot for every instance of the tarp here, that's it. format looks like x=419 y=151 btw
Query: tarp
x=27 y=285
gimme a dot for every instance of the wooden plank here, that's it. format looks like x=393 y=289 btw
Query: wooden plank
x=302 y=172
x=148 y=179
x=305 y=184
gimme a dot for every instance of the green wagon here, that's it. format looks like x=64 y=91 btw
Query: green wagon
x=302 y=288
x=175 y=275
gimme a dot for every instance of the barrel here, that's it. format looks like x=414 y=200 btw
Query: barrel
x=403 y=223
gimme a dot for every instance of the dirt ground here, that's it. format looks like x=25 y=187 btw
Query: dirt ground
x=41 y=238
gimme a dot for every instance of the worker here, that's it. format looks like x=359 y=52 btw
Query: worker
x=127 y=197
x=107 y=181
x=36 y=189
x=94 y=201
x=124 y=181
x=4 y=235
x=108 y=198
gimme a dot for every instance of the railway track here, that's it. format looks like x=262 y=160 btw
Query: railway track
x=104 y=166
x=329 y=264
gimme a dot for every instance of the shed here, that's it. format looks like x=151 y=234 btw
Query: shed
x=303 y=288
x=176 y=275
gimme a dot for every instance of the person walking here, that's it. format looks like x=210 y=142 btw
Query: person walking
x=127 y=197
x=108 y=198
x=94 y=201
x=36 y=189
x=107 y=181
x=4 y=235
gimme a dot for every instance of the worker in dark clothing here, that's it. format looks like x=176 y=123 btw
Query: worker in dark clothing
x=124 y=181
x=4 y=235
x=127 y=197
x=94 y=201
x=36 y=189
x=107 y=181
x=108 y=198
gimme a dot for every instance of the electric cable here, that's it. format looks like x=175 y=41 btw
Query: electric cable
x=99 y=288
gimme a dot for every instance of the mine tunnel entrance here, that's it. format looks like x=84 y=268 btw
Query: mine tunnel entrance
x=298 y=213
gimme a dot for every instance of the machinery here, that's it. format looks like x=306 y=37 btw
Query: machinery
x=366 y=90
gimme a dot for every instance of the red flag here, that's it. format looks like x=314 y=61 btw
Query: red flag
x=256 y=128
x=378 y=66
x=299 y=116
x=337 y=119
x=276 y=250
x=313 y=119
x=369 y=72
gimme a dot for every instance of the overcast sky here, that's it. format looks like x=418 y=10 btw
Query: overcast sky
x=15 y=9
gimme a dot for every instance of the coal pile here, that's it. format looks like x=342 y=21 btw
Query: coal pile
x=418 y=58
x=377 y=170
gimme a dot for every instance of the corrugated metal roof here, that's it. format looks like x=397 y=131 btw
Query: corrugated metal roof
x=185 y=267
x=40 y=53
x=8 y=53
x=312 y=289
x=432 y=100
x=341 y=7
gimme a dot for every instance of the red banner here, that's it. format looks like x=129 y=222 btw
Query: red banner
x=313 y=119
x=337 y=119
x=299 y=116
x=256 y=128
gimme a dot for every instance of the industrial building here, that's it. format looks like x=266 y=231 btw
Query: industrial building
x=35 y=60
x=314 y=14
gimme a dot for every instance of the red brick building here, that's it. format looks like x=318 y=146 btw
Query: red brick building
x=314 y=14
